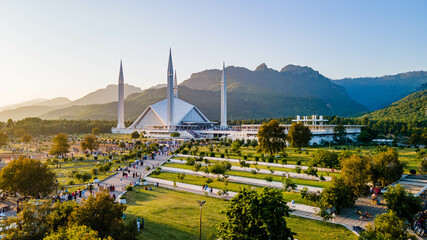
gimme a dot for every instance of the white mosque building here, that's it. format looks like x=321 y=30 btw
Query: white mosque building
x=173 y=115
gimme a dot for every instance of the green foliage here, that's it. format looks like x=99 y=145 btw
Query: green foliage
x=338 y=195
x=299 y=135
x=4 y=139
x=60 y=145
x=90 y=142
x=311 y=171
x=289 y=184
x=28 y=177
x=386 y=226
x=26 y=138
x=36 y=126
x=220 y=167
x=96 y=131
x=324 y=158
x=356 y=172
x=254 y=216
x=175 y=134
x=340 y=136
x=403 y=203
x=410 y=108
x=102 y=214
x=135 y=135
x=129 y=188
x=75 y=232
x=272 y=137
x=386 y=167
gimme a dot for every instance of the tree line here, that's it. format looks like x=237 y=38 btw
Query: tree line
x=384 y=127
x=37 y=126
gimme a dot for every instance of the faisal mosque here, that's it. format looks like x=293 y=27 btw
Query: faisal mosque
x=173 y=116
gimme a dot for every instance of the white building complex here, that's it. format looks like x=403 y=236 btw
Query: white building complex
x=173 y=116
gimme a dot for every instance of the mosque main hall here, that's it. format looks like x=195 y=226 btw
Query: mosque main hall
x=175 y=117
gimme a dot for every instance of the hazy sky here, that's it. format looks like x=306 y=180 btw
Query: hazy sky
x=69 y=48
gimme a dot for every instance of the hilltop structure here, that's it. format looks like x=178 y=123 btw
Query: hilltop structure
x=173 y=115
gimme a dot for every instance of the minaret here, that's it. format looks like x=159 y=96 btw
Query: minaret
x=175 y=86
x=223 y=99
x=170 y=93
x=121 y=100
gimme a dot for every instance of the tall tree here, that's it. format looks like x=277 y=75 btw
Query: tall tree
x=272 y=137
x=356 y=172
x=386 y=167
x=90 y=142
x=28 y=177
x=27 y=138
x=299 y=135
x=256 y=216
x=96 y=131
x=340 y=135
x=403 y=203
x=338 y=195
x=102 y=214
x=386 y=226
x=3 y=138
x=60 y=144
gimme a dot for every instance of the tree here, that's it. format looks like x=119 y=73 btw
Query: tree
x=26 y=138
x=60 y=144
x=102 y=214
x=3 y=139
x=325 y=158
x=90 y=142
x=366 y=135
x=340 y=136
x=356 y=172
x=386 y=167
x=338 y=195
x=272 y=137
x=28 y=177
x=75 y=232
x=235 y=146
x=135 y=135
x=30 y=222
x=403 y=203
x=386 y=226
x=256 y=216
x=299 y=135
x=96 y=131
x=289 y=184
x=175 y=134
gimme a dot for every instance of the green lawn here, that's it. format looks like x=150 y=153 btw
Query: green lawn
x=257 y=176
x=336 y=174
x=170 y=215
x=234 y=187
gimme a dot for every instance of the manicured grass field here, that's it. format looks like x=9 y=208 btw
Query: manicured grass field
x=234 y=187
x=170 y=215
x=274 y=168
x=257 y=176
x=294 y=155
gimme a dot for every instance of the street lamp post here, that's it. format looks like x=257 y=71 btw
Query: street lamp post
x=200 y=225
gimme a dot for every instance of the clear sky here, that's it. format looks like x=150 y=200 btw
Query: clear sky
x=69 y=48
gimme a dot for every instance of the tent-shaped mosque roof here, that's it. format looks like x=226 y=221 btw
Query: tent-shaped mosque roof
x=156 y=114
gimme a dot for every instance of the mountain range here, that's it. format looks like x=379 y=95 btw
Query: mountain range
x=38 y=107
x=261 y=93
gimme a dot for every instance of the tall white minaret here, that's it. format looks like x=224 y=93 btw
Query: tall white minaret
x=175 y=86
x=121 y=100
x=170 y=94
x=223 y=99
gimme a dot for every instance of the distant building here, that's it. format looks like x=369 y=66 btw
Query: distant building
x=172 y=115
